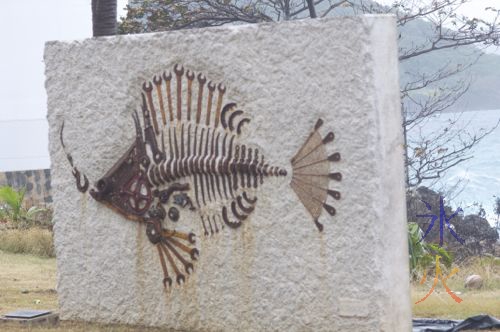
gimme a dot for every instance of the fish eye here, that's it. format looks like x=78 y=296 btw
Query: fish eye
x=180 y=199
x=173 y=214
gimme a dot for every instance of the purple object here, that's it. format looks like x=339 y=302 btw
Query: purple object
x=27 y=314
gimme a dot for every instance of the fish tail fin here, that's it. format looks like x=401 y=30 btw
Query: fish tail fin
x=82 y=187
x=311 y=174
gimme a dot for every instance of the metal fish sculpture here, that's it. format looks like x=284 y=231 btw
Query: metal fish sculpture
x=187 y=154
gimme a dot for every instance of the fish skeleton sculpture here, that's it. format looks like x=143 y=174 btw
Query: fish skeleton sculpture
x=187 y=154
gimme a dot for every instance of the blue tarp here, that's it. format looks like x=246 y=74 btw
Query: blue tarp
x=472 y=323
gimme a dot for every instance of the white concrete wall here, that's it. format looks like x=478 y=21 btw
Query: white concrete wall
x=276 y=272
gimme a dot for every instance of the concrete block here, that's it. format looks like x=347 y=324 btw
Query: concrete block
x=276 y=271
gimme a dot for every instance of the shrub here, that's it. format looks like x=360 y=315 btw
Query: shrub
x=13 y=209
x=423 y=254
x=34 y=241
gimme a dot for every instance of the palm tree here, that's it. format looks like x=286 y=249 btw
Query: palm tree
x=12 y=207
x=104 y=17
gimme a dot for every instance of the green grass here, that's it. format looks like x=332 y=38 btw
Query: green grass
x=483 y=301
x=26 y=280
x=35 y=241
x=440 y=304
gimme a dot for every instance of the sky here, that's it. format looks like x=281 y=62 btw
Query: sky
x=474 y=8
x=23 y=125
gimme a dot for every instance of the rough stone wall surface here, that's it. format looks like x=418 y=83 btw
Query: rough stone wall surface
x=36 y=182
x=276 y=272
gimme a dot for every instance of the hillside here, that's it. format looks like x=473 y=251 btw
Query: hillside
x=483 y=75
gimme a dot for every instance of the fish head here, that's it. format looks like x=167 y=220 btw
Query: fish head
x=125 y=188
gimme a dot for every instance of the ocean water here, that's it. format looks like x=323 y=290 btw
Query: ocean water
x=475 y=181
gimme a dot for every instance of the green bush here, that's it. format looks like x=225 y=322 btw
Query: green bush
x=423 y=254
x=34 y=241
x=13 y=209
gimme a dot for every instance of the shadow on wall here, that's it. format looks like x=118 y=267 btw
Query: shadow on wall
x=36 y=182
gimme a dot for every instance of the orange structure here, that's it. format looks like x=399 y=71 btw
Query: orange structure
x=443 y=280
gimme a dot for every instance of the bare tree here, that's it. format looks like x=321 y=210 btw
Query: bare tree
x=496 y=210
x=428 y=156
x=104 y=18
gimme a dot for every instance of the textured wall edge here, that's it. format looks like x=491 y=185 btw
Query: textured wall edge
x=396 y=307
